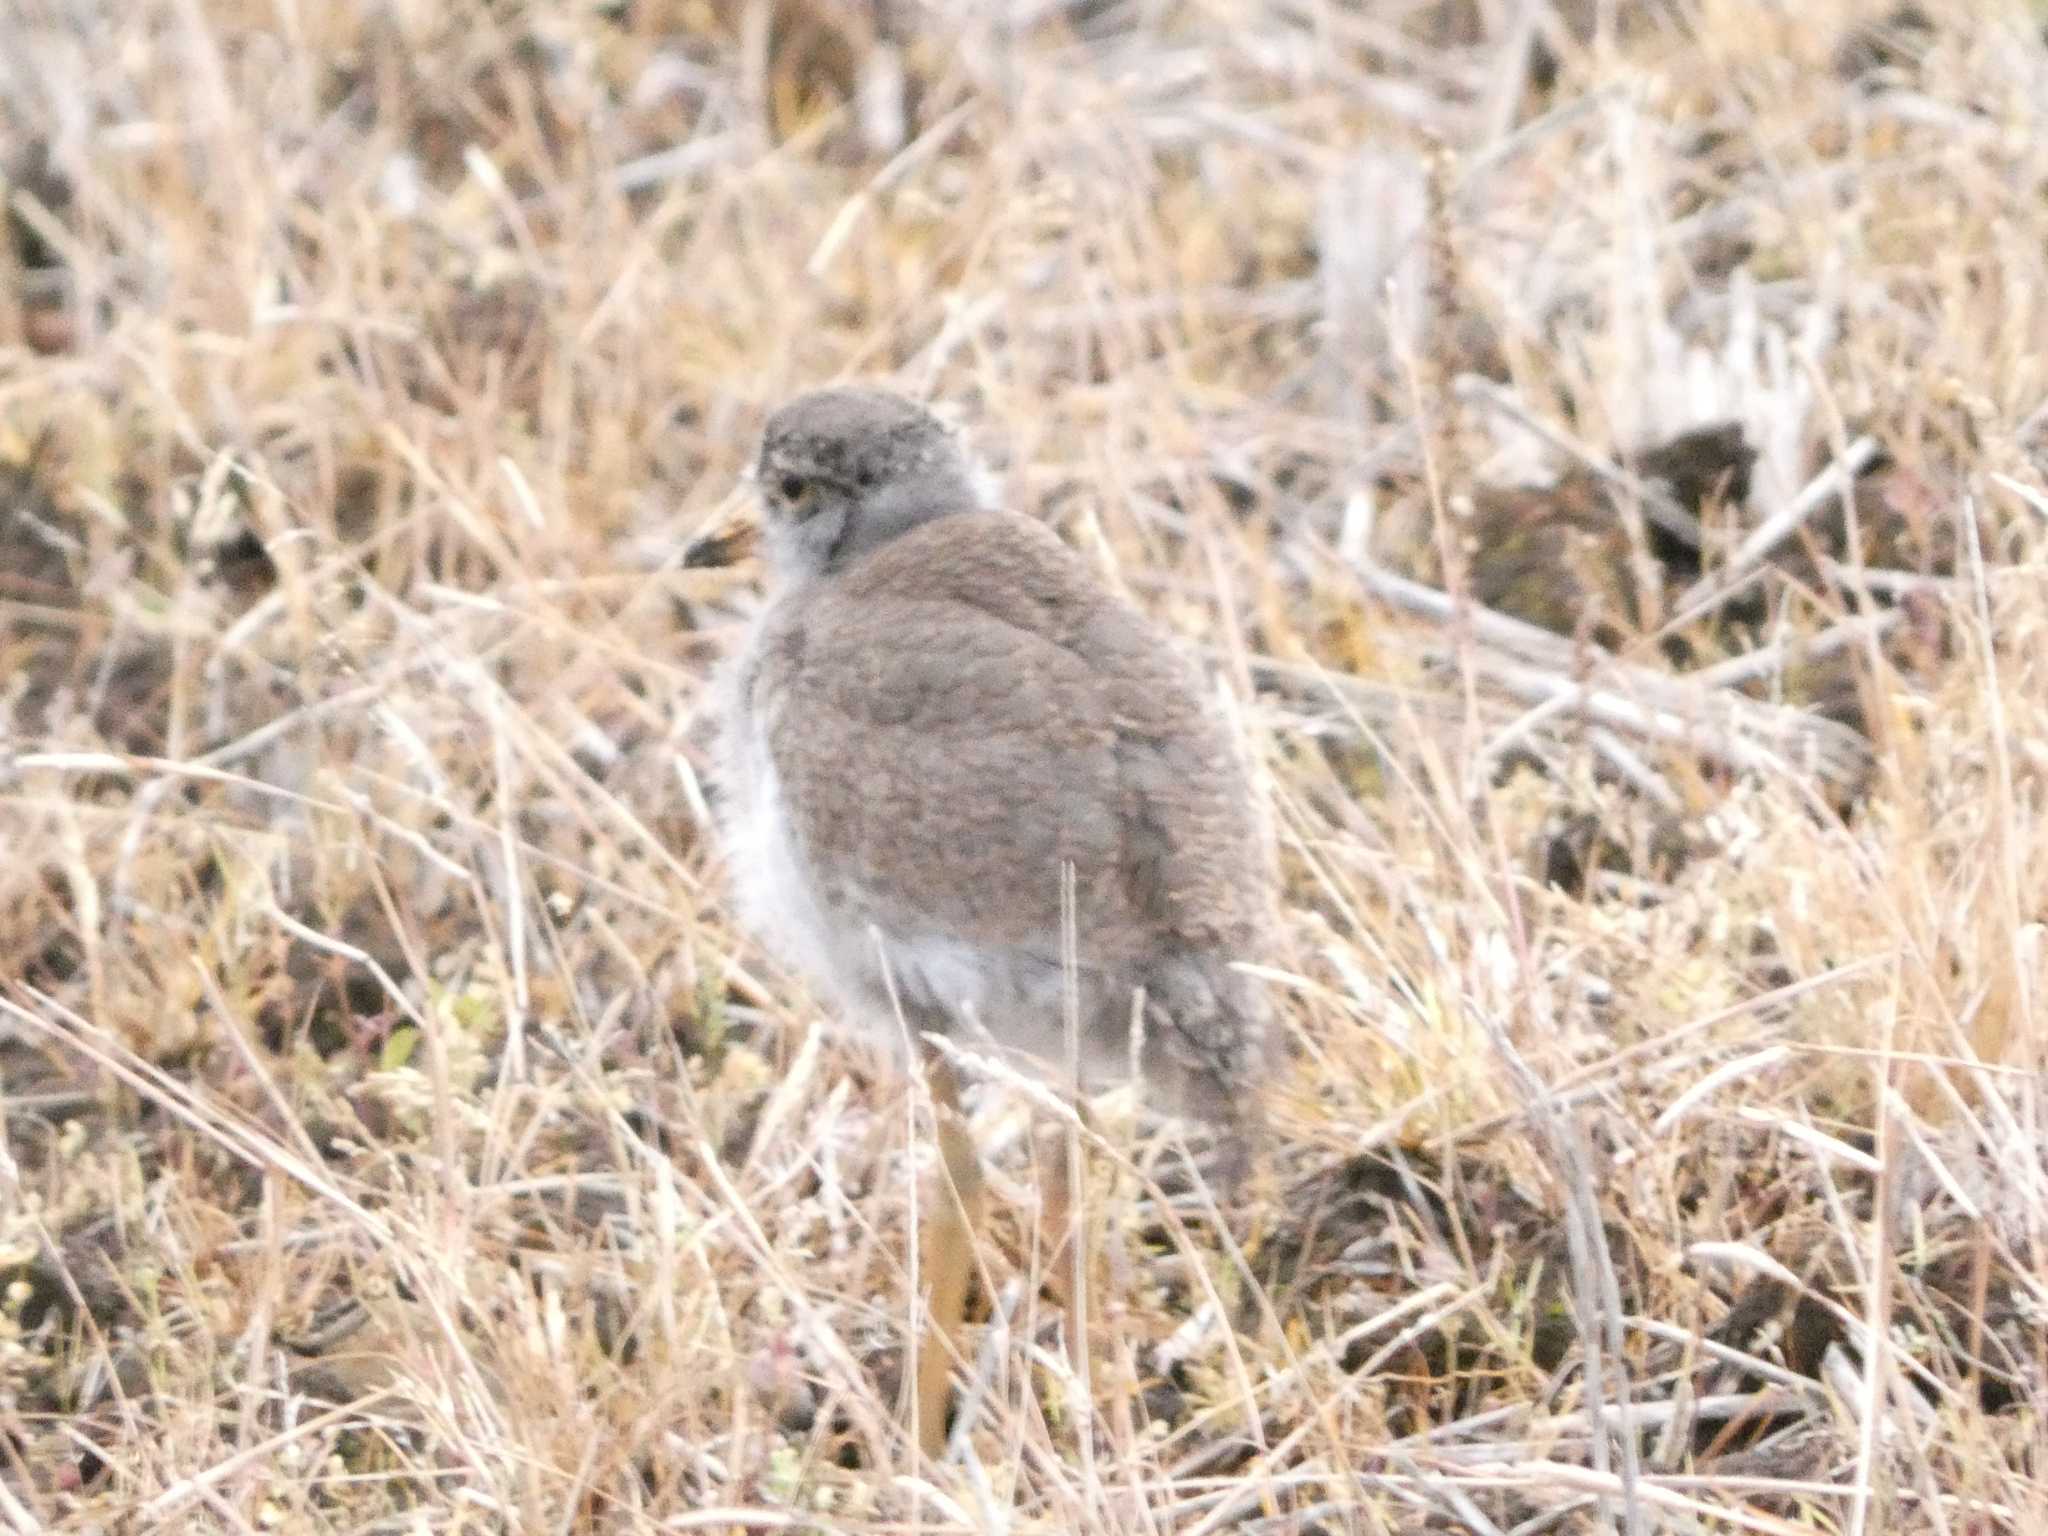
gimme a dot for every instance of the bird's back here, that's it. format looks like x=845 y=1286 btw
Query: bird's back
x=965 y=709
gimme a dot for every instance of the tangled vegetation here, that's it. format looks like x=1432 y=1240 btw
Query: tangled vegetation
x=1598 y=452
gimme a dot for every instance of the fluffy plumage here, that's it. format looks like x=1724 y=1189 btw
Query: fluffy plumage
x=939 y=706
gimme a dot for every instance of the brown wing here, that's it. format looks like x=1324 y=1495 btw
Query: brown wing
x=966 y=708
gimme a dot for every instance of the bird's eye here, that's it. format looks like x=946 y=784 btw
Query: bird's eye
x=792 y=487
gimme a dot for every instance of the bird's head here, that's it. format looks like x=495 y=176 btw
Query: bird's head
x=844 y=470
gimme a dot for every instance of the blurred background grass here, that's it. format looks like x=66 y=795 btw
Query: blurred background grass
x=397 y=1136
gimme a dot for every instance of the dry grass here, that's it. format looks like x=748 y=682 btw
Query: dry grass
x=397 y=1136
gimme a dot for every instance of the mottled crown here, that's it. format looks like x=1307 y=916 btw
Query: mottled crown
x=855 y=436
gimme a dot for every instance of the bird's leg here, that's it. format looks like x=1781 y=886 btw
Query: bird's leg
x=1061 y=1238
x=946 y=1237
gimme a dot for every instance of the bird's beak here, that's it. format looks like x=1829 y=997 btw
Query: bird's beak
x=726 y=542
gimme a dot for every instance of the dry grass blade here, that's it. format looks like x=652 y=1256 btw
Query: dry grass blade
x=1596 y=451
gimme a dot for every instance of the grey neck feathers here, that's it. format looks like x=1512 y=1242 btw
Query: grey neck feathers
x=847 y=528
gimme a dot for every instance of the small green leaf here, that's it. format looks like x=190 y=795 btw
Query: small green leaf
x=398 y=1047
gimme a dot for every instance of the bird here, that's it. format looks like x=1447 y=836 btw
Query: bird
x=968 y=790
